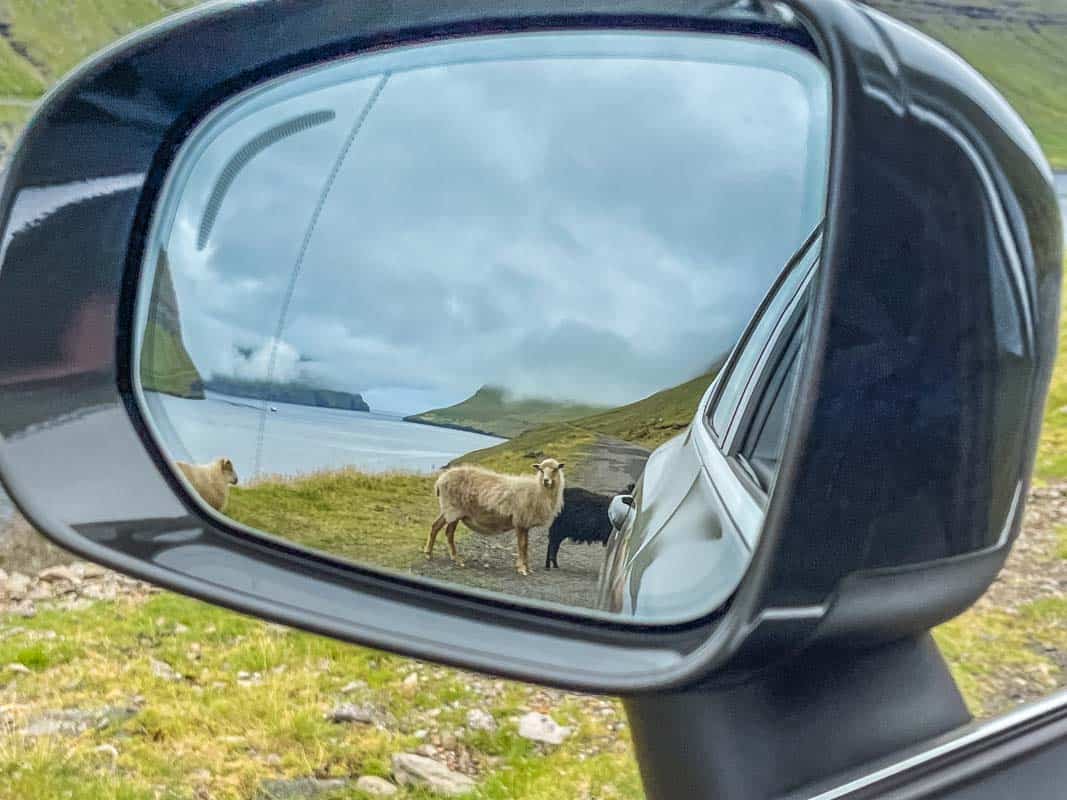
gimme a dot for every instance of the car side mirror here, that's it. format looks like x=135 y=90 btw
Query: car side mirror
x=789 y=267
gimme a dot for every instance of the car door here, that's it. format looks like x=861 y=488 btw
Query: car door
x=699 y=505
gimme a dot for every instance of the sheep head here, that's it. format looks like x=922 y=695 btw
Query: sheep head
x=228 y=472
x=550 y=472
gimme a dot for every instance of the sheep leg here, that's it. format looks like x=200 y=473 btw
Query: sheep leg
x=522 y=540
x=450 y=533
x=437 y=525
x=552 y=554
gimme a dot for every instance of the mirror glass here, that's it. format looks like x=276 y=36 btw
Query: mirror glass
x=518 y=313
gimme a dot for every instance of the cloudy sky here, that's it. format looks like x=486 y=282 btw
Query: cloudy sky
x=588 y=217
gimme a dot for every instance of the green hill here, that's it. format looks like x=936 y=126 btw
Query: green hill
x=42 y=41
x=165 y=363
x=1021 y=47
x=490 y=410
x=648 y=423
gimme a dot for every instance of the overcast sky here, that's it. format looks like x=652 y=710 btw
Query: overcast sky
x=574 y=227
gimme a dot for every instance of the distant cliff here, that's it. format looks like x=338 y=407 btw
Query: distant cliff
x=300 y=394
x=165 y=363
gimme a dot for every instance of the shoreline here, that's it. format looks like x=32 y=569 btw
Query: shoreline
x=454 y=426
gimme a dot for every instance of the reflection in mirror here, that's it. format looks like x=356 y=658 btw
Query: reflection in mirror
x=477 y=311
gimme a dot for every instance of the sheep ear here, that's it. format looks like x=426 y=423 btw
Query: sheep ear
x=537 y=467
x=561 y=465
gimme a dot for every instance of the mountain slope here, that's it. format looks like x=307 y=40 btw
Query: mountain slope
x=648 y=422
x=490 y=410
x=1020 y=47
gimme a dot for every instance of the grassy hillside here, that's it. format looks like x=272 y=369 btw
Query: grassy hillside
x=1021 y=47
x=166 y=366
x=490 y=410
x=648 y=423
x=42 y=41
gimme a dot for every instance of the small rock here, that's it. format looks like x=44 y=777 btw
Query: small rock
x=58 y=574
x=26 y=610
x=90 y=571
x=373 y=785
x=17 y=585
x=201 y=776
x=354 y=686
x=478 y=720
x=107 y=750
x=18 y=668
x=349 y=712
x=71 y=722
x=298 y=788
x=161 y=669
x=179 y=628
x=539 y=727
x=273 y=760
x=415 y=770
x=411 y=680
x=427 y=750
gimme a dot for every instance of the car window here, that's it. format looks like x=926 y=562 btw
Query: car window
x=762 y=449
x=751 y=346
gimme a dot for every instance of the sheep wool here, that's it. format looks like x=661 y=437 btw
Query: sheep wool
x=212 y=481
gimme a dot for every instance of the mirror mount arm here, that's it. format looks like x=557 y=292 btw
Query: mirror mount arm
x=826 y=712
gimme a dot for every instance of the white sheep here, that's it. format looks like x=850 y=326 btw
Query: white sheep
x=490 y=503
x=211 y=481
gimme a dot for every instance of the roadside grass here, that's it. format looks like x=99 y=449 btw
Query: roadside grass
x=989 y=648
x=217 y=733
x=1052 y=451
x=379 y=519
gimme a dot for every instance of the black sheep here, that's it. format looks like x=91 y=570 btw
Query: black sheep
x=584 y=518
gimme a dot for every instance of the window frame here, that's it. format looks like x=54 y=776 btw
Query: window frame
x=806 y=258
x=790 y=345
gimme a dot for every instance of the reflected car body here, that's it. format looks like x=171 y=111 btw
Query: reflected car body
x=687 y=532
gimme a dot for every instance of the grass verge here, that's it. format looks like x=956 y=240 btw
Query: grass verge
x=252 y=703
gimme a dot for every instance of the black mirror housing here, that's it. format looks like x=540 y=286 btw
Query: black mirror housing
x=931 y=344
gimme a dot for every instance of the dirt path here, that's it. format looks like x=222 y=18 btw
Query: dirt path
x=608 y=467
